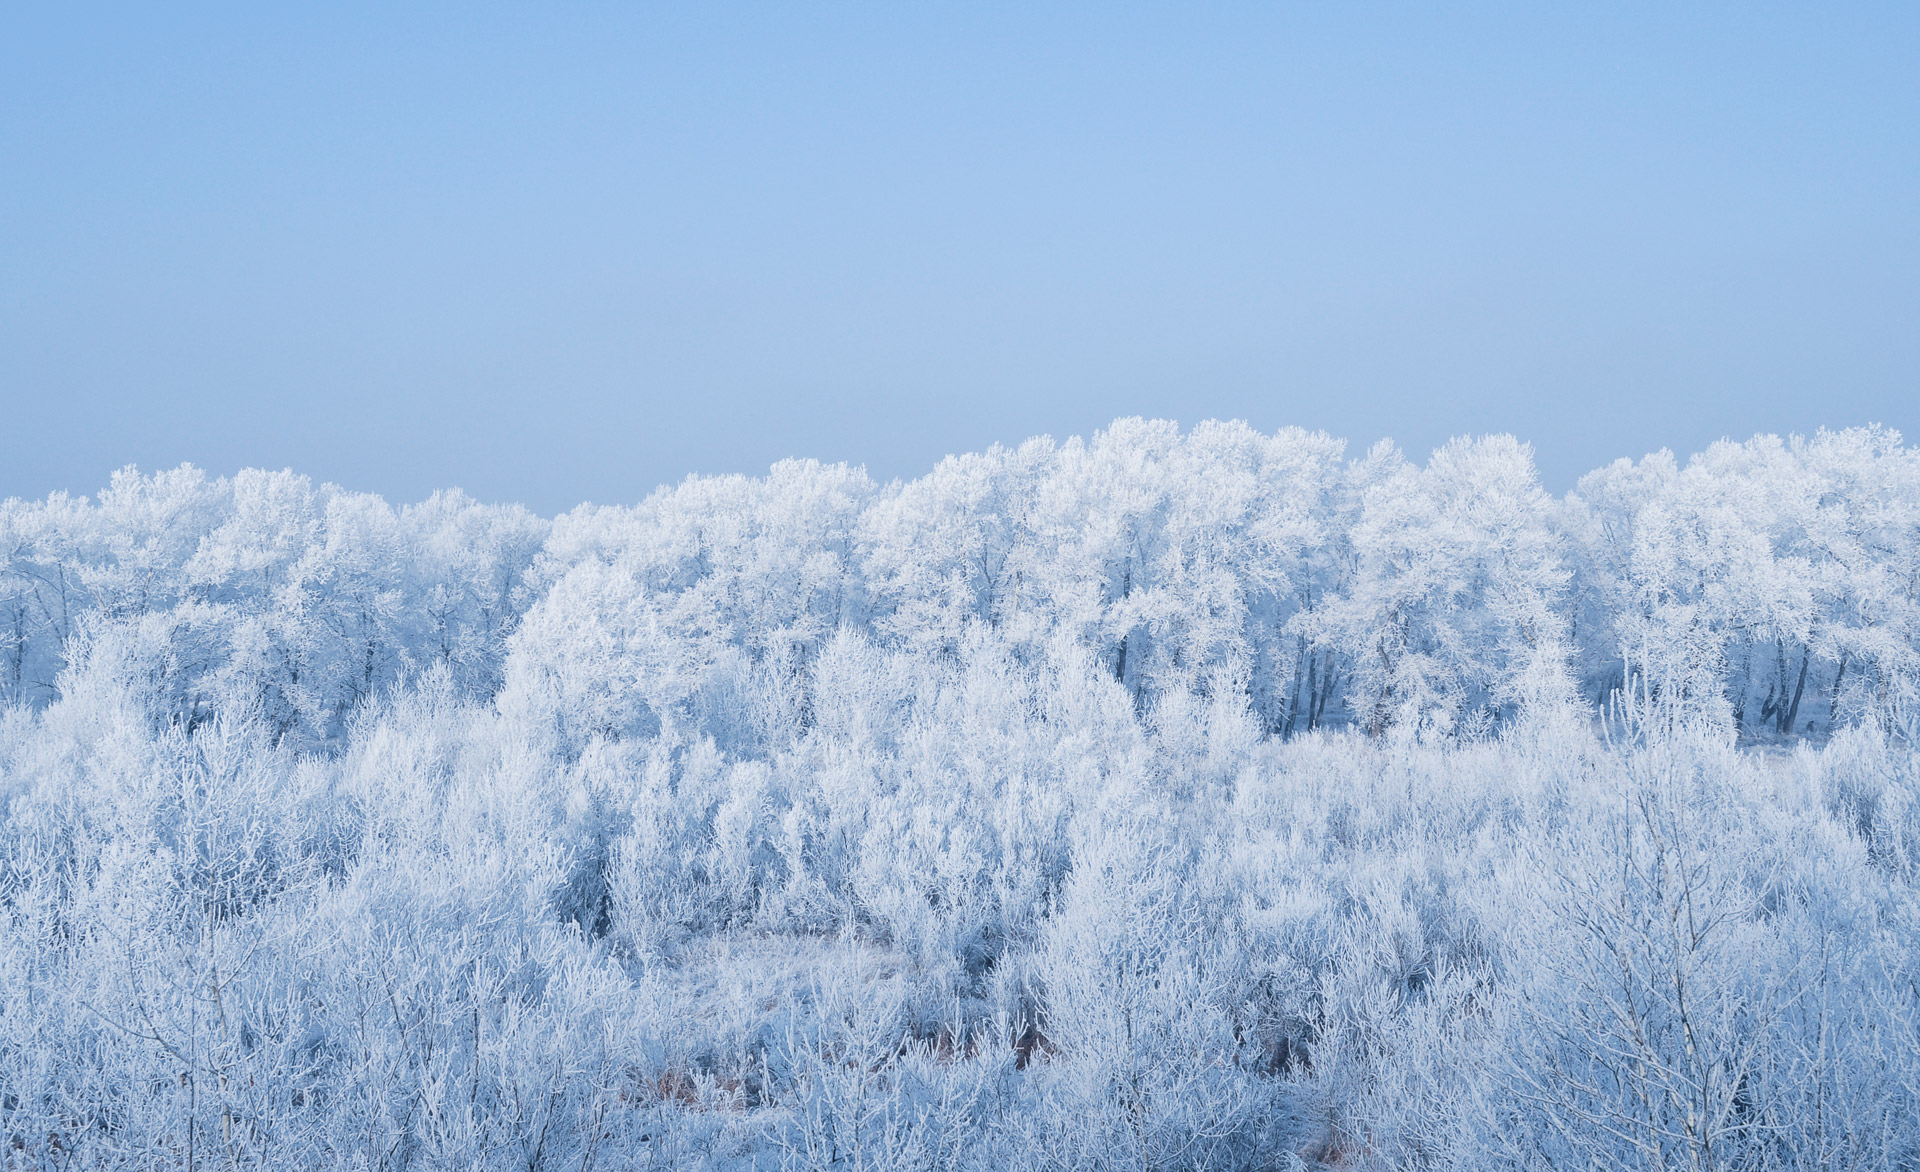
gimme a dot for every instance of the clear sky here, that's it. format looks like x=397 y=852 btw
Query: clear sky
x=560 y=252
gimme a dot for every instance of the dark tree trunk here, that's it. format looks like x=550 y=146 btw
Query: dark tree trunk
x=1792 y=713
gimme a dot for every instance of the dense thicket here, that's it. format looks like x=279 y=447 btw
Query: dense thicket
x=1161 y=801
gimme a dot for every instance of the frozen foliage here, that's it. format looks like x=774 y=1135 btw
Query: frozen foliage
x=1164 y=801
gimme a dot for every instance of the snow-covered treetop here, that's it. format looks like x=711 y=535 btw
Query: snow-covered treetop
x=1772 y=587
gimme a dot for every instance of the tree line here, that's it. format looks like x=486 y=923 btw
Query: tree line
x=1770 y=587
x=1203 y=800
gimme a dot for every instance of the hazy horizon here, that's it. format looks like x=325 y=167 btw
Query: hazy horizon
x=1355 y=450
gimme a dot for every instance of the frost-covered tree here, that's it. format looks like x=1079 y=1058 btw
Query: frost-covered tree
x=1164 y=799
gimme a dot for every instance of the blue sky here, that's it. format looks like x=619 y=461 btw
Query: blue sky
x=565 y=252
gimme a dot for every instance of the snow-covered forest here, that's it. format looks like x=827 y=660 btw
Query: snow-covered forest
x=1168 y=800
